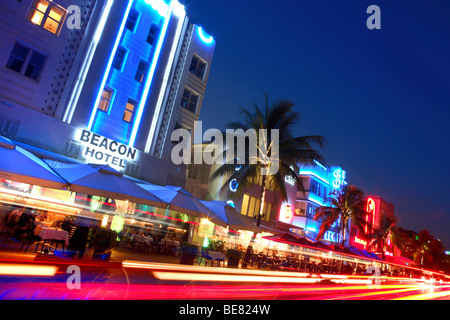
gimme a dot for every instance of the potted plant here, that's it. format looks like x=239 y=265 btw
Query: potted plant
x=216 y=245
x=234 y=256
x=103 y=241
x=189 y=252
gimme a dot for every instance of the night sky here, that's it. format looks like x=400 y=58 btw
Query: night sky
x=379 y=97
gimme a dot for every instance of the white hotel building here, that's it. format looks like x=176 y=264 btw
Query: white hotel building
x=102 y=81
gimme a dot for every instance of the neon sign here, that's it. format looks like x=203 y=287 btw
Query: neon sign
x=360 y=241
x=290 y=179
x=339 y=178
x=332 y=236
x=234 y=185
x=100 y=149
x=370 y=211
x=287 y=212
x=370 y=206
x=231 y=203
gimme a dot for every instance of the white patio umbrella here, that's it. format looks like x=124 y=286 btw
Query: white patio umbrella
x=103 y=181
x=17 y=164
x=178 y=199
x=231 y=217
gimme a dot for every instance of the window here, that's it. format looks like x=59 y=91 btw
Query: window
x=119 y=58
x=300 y=208
x=250 y=207
x=189 y=100
x=26 y=61
x=153 y=34
x=47 y=14
x=197 y=67
x=105 y=99
x=132 y=19
x=35 y=65
x=311 y=211
x=267 y=210
x=244 y=205
x=141 y=71
x=129 y=111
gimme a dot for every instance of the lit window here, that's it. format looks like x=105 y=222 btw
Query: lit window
x=189 y=100
x=197 y=67
x=244 y=206
x=119 y=58
x=105 y=99
x=129 y=111
x=48 y=15
x=153 y=34
x=141 y=71
x=132 y=19
x=26 y=61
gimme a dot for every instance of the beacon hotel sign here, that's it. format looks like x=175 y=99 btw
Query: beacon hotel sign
x=101 y=150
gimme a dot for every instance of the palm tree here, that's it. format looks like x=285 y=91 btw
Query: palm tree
x=346 y=205
x=278 y=119
x=424 y=246
x=381 y=234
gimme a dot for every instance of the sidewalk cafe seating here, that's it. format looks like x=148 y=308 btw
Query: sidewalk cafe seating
x=30 y=238
x=206 y=257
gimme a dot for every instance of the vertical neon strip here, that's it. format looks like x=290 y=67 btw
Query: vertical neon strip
x=68 y=114
x=150 y=76
x=181 y=14
x=108 y=67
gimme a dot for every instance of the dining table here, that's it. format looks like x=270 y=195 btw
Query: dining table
x=143 y=239
x=51 y=233
x=166 y=245
x=216 y=256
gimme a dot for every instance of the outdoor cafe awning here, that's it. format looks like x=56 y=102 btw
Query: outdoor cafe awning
x=178 y=199
x=303 y=242
x=103 y=181
x=17 y=164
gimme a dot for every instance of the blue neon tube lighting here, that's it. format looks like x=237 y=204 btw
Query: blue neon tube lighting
x=150 y=77
x=206 y=38
x=108 y=66
x=86 y=63
x=178 y=10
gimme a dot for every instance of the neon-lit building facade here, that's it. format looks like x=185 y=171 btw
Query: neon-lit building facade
x=377 y=207
x=318 y=181
x=110 y=90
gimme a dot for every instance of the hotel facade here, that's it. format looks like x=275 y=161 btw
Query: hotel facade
x=103 y=81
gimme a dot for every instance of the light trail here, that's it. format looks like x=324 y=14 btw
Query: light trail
x=27 y=270
x=162 y=281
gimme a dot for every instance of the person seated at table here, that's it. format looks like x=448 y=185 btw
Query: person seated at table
x=16 y=213
x=22 y=223
x=42 y=216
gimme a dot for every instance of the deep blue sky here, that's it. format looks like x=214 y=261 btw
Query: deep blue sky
x=381 y=98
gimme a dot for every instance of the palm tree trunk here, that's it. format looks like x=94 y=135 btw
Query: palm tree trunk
x=258 y=222
x=344 y=227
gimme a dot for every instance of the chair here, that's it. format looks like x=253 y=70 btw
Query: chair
x=57 y=224
x=219 y=260
x=58 y=242
x=72 y=231
x=30 y=238
x=205 y=256
x=9 y=224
